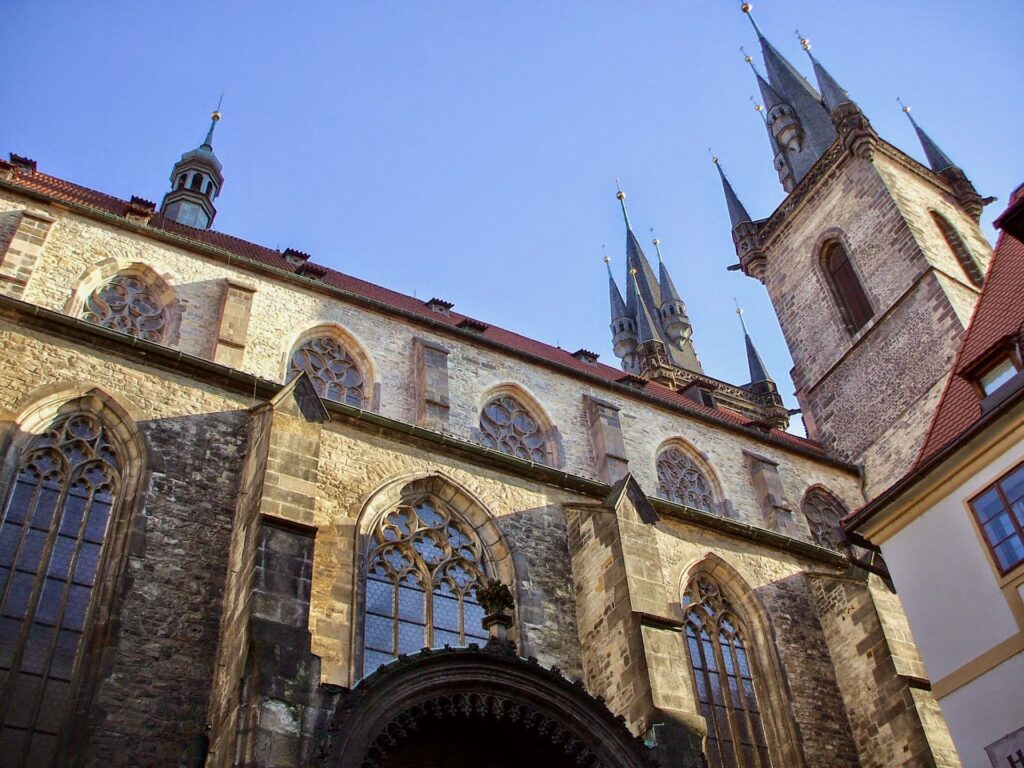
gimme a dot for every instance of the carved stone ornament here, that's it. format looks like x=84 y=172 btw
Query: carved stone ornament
x=494 y=596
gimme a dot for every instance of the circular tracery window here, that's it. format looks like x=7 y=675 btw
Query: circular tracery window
x=823 y=515
x=507 y=427
x=330 y=367
x=680 y=480
x=127 y=304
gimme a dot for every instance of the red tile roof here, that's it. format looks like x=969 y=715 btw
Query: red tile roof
x=999 y=315
x=73 y=193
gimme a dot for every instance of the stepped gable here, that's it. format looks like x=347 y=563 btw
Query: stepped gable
x=76 y=194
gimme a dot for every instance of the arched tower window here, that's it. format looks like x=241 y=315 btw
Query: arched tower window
x=52 y=544
x=331 y=367
x=823 y=512
x=506 y=425
x=681 y=480
x=959 y=248
x=422 y=569
x=724 y=677
x=846 y=287
x=129 y=303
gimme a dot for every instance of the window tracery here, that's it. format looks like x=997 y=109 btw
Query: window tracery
x=331 y=368
x=423 y=569
x=724 y=676
x=128 y=304
x=823 y=514
x=680 y=480
x=52 y=536
x=506 y=426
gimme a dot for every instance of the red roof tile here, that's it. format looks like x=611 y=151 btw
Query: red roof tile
x=73 y=193
x=998 y=315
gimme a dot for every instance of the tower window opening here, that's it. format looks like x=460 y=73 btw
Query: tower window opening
x=197 y=182
x=846 y=286
x=181 y=181
x=959 y=248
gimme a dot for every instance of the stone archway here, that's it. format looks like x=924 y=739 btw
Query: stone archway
x=473 y=708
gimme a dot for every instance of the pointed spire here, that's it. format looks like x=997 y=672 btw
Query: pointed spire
x=645 y=323
x=621 y=196
x=737 y=213
x=214 y=119
x=635 y=259
x=832 y=93
x=938 y=160
x=756 y=366
x=668 y=288
x=618 y=306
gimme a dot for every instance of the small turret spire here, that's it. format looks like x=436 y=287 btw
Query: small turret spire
x=756 y=366
x=618 y=306
x=196 y=181
x=214 y=119
x=832 y=94
x=737 y=212
x=938 y=160
x=748 y=8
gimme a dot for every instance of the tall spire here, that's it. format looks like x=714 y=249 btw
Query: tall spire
x=635 y=259
x=668 y=288
x=832 y=94
x=196 y=181
x=737 y=213
x=756 y=366
x=646 y=329
x=937 y=159
x=798 y=119
x=618 y=306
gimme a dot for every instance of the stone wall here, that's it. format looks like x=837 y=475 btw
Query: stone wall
x=75 y=245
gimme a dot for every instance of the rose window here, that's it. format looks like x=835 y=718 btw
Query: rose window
x=127 y=304
x=332 y=370
x=823 y=516
x=680 y=480
x=507 y=427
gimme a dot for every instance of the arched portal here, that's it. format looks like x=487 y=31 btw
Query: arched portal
x=469 y=707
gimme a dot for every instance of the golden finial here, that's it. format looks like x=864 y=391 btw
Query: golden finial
x=714 y=158
x=805 y=43
x=607 y=259
x=747 y=7
x=632 y=271
x=739 y=309
x=216 y=113
x=746 y=56
x=656 y=242
x=906 y=109
x=619 y=193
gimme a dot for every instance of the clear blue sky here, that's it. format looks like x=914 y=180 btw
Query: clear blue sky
x=468 y=150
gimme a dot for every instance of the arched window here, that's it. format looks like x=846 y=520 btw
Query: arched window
x=724 y=678
x=846 y=288
x=331 y=368
x=823 y=512
x=55 y=520
x=129 y=304
x=507 y=426
x=682 y=481
x=422 y=570
x=197 y=181
x=959 y=248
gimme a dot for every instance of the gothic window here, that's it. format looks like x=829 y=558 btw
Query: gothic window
x=423 y=568
x=959 y=248
x=846 y=288
x=54 y=525
x=823 y=513
x=681 y=480
x=130 y=305
x=331 y=368
x=724 y=679
x=506 y=426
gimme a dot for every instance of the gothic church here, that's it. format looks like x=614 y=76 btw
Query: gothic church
x=373 y=531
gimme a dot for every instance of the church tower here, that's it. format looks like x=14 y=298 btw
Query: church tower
x=196 y=181
x=873 y=262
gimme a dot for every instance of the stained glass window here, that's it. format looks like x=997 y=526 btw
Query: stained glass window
x=681 y=481
x=424 y=565
x=823 y=514
x=127 y=304
x=507 y=426
x=723 y=675
x=51 y=544
x=331 y=368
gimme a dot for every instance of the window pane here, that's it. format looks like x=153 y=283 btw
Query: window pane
x=60 y=557
x=997 y=376
x=17 y=599
x=380 y=634
x=446 y=613
x=379 y=597
x=1013 y=484
x=410 y=604
x=37 y=649
x=410 y=637
x=372 y=660
x=1010 y=552
x=10 y=536
x=998 y=528
x=987 y=505
x=64 y=655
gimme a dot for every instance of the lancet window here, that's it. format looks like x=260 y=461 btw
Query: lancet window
x=681 y=480
x=331 y=368
x=724 y=678
x=959 y=248
x=507 y=426
x=55 y=522
x=823 y=514
x=423 y=568
x=127 y=303
x=846 y=287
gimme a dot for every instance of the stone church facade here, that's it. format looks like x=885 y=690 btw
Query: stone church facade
x=261 y=513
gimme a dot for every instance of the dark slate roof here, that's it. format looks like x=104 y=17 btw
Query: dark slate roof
x=938 y=160
x=737 y=212
x=66 y=191
x=832 y=93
